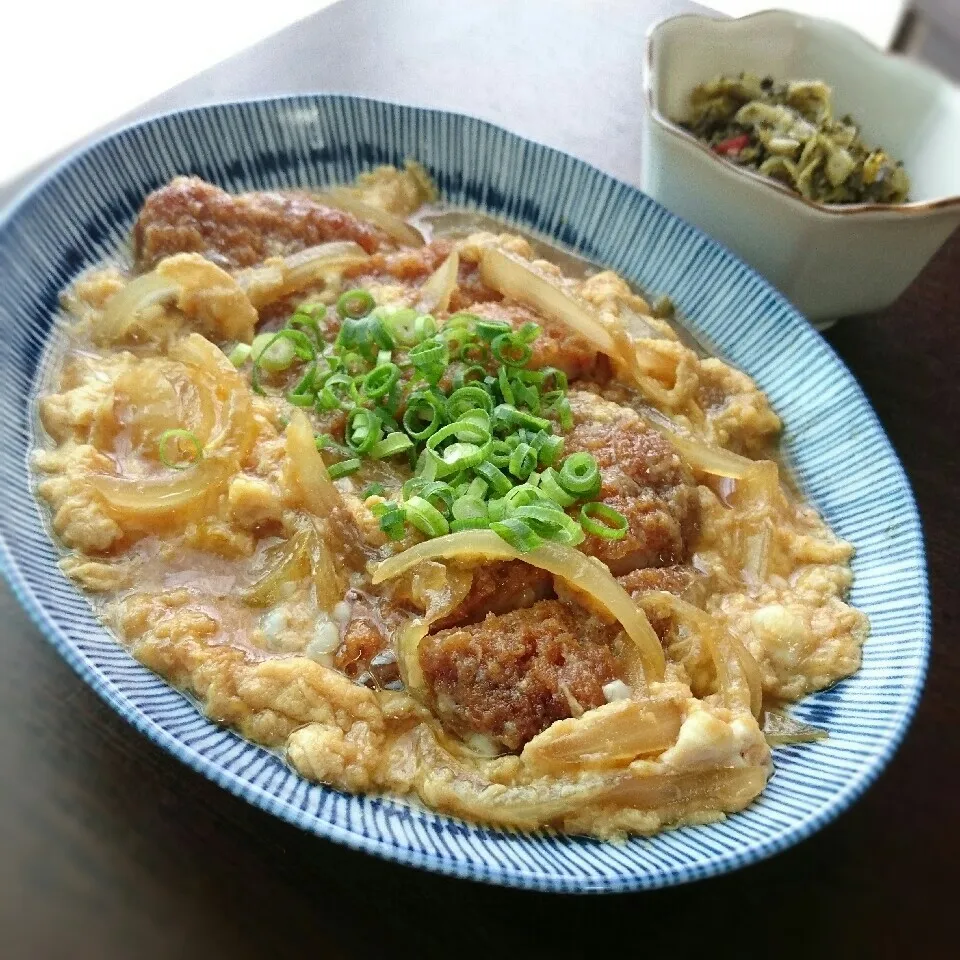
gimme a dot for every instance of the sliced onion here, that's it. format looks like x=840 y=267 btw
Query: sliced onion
x=125 y=306
x=437 y=589
x=451 y=785
x=738 y=676
x=280 y=277
x=328 y=585
x=144 y=501
x=210 y=295
x=608 y=736
x=237 y=427
x=435 y=293
x=781 y=729
x=756 y=554
x=289 y=563
x=156 y=395
x=707 y=459
x=307 y=471
x=344 y=199
x=583 y=573
x=201 y=289
x=517 y=279
x=639 y=326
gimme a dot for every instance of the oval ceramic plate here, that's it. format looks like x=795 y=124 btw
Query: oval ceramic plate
x=83 y=211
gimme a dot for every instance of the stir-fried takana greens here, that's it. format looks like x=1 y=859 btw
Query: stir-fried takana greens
x=787 y=131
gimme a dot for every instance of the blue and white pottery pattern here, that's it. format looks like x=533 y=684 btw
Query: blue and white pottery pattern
x=82 y=212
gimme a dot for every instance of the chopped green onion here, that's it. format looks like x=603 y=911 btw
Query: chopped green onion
x=499 y=482
x=438 y=493
x=424 y=326
x=427 y=465
x=477 y=488
x=272 y=351
x=466 y=399
x=549 y=448
x=355 y=304
x=392 y=519
x=374 y=490
x=175 y=437
x=430 y=359
x=471 y=523
x=468 y=375
x=426 y=517
x=239 y=355
x=300 y=319
x=380 y=380
x=603 y=521
x=500 y=453
x=474 y=353
x=467 y=431
x=528 y=332
x=343 y=468
x=579 y=474
x=277 y=351
x=556 y=402
x=525 y=495
x=523 y=461
x=423 y=416
x=497 y=508
x=550 y=485
x=390 y=445
x=551 y=523
x=363 y=430
x=305 y=386
x=512 y=417
x=339 y=392
x=503 y=382
x=490 y=329
x=508 y=348
x=461 y=456
x=526 y=395
x=469 y=508
x=517 y=533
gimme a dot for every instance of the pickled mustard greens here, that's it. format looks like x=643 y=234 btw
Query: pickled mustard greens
x=787 y=131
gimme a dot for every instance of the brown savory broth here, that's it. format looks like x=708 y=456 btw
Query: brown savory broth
x=567 y=609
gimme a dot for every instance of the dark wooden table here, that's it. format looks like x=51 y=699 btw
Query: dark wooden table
x=111 y=849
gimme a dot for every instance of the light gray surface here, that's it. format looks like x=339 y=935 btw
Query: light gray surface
x=453 y=55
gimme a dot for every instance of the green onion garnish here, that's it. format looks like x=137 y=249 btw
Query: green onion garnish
x=379 y=380
x=343 y=468
x=508 y=348
x=603 y=521
x=499 y=482
x=523 y=461
x=517 y=533
x=390 y=445
x=363 y=430
x=239 y=355
x=426 y=517
x=550 y=485
x=458 y=400
x=177 y=437
x=355 y=304
x=579 y=474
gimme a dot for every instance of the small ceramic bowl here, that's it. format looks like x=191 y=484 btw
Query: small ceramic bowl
x=830 y=260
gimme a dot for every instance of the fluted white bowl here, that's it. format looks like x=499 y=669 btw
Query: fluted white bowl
x=830 y=260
